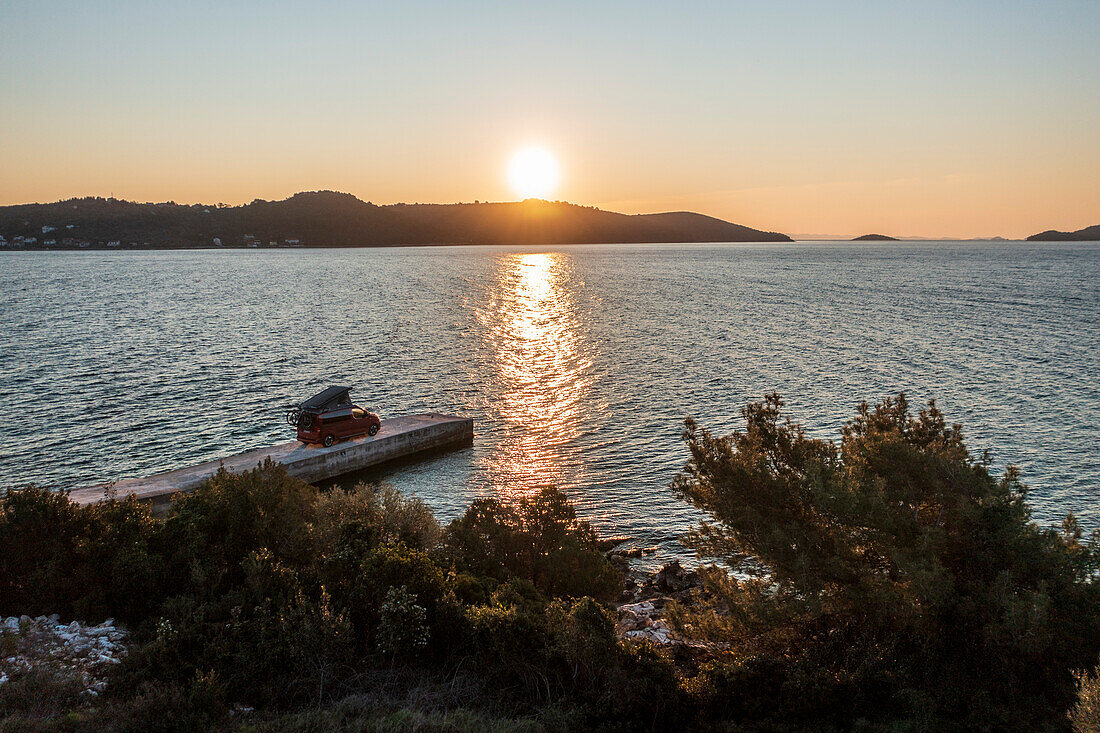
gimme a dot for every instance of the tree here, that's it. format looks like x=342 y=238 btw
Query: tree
x=888 y=575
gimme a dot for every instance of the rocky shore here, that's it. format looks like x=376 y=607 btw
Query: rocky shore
x=643 y=604
x=76 y=650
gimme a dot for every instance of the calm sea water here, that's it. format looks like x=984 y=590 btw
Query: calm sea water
x=578 y=364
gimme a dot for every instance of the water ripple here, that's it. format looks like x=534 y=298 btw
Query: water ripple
x=578 y=364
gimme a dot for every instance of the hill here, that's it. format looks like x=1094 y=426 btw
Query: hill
x=875 y=238
x=331 y=219
x=1088 y=234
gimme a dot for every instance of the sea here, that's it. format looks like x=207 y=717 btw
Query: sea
x=578 y=364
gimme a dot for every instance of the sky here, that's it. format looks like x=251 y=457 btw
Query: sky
x=817 y=119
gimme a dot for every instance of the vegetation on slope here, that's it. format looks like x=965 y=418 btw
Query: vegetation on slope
x=888 y=581
x=891 y=577
x=1088 y=234
x=331 y=219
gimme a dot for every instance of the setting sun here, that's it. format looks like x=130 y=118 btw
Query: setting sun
x=533 y=173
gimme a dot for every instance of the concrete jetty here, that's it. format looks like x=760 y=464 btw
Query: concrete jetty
x=399 y=437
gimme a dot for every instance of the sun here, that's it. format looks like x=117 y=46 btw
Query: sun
x=533 y=172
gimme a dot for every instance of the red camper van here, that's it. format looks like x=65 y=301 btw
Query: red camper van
x=331 y=416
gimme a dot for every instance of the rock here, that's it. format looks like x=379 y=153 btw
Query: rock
x=658 y=632
x=645 y=608
x=71 y=650
x=672 y=578
x=643 y=619
x=634 y=616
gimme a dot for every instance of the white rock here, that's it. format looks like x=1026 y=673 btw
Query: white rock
x=657 y=632
x=645 y=609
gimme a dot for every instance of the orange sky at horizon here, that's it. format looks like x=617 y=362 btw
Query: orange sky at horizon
x=954 y=120
x=947 y=206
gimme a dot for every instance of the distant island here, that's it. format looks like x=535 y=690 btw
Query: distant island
x=1088 y=234
x=875 y=238
x=332 y=219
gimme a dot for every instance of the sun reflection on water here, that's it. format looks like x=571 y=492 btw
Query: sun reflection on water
x=543 y=365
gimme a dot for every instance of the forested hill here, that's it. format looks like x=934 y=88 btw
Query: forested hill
x=331 y=219
x=1088 y=234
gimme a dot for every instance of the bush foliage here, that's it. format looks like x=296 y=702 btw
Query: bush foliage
x=259 y=589
x=887 y=581
x=887 y=577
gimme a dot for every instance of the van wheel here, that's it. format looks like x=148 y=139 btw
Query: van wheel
x=372 y=430
x=329 y=440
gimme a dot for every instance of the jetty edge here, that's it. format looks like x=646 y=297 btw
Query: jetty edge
x=399 y=437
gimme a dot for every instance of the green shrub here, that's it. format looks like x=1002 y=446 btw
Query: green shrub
x=895 y=576
x=1085 y=715
x=583 y=635
x=519 y=593
x=370 y=514
x=539 y=539
x=402 y=625
x=359 y=585
x=40 y=695
x=90 y=562
x=509 y=646
x=378 y=719
x=210 y=532
x=565 y=656
x=39 y=532
x=738 y=688
x=270 y=640
x=471 y=590
x=617 y=685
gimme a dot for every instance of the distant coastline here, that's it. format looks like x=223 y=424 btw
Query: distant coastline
x=331 y=219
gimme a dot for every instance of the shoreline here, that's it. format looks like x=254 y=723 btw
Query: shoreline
x=227 y=248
